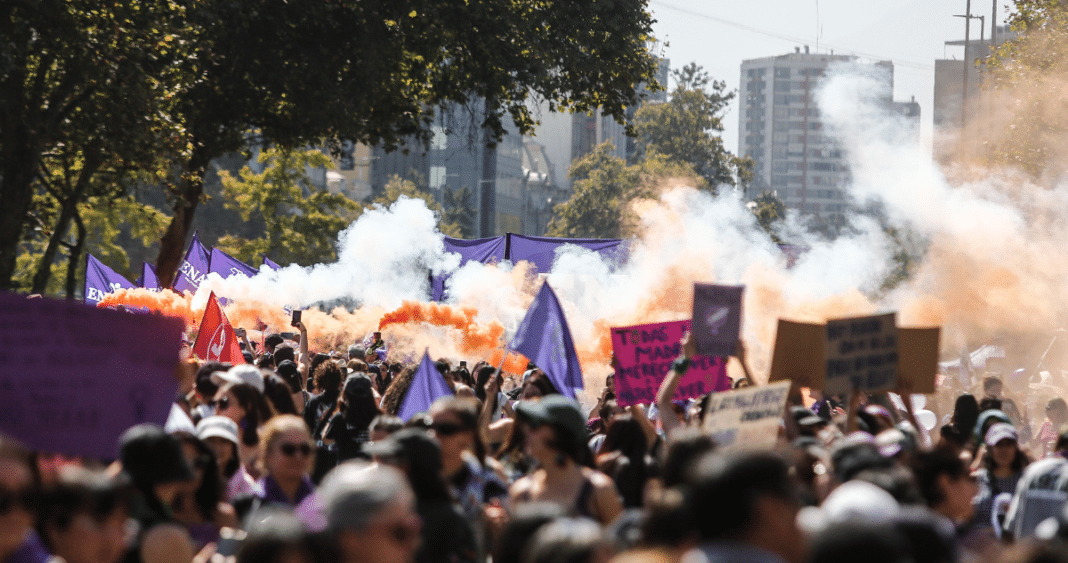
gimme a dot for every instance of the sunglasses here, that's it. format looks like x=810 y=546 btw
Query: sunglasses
x=9 y=500
x=447 y=429
x=220 y=405
x=290 y=450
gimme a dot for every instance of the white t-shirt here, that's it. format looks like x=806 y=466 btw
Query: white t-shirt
x=1040 y=494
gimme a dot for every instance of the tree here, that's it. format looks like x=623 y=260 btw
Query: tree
x=687 y=128
x=300 y=222
x=458 y=215
x=227 y=75
x=85 y=66
x=769 y=211
x=603 y=188
x=1025 y=79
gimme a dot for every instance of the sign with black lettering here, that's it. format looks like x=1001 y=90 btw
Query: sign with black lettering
x=747 y=418
x=644 y=354
x=861 y=353
x=74 y=377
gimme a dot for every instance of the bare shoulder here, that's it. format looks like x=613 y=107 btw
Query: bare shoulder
x=598 y=479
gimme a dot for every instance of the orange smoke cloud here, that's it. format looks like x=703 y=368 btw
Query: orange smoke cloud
x=165 y=302
x=474 y=337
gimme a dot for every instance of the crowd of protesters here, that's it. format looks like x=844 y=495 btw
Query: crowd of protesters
x=300 y=457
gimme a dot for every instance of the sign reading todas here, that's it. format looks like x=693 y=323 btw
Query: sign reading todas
x=861 y=354
x=73 y=378
x=747 y=417
x=644 y=354
x=717 y=318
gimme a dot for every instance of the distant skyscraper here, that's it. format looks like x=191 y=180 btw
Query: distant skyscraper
x=780 y=128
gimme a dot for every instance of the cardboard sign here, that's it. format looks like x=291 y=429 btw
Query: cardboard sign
x=644 y=354
x=73 y=377
x=717 y=318
x=799 y=354
x=748 y=417
x=917 y=358
x=861 y=354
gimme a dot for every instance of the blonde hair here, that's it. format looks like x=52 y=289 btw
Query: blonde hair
x=275 y=427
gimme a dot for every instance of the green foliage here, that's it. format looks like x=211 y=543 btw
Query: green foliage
x=603 y=189
x=769 y=211
x=459 y=215
x=1027 y=73
x=687 y=128
x=301 y=222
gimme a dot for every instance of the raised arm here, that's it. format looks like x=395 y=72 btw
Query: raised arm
x=667 y=389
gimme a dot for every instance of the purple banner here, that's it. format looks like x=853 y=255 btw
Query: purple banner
x=544 y=338
x=73 y=378
x=427 y=386
x=225 y=265
x=101 y=280
x=194 y=267
x=270 y=263
x=148 y=279
x=541 y=251
x=717 y=318
x=485 y=250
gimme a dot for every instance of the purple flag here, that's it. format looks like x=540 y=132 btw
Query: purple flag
x=225 y=265
x=543 y=337
x=717 y=318
x=541 y=251
x=194 y=267
x=427 y=386
x=148 y=279
x=95 y=373
x=101 y=280
x=485 y=250
x=270 y=263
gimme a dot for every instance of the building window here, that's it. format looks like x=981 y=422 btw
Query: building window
x=440 y=139
x=437 y=177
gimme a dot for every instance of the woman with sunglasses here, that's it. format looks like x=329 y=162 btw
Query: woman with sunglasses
x=244 y=404
x=454 y=423
x=288 y=457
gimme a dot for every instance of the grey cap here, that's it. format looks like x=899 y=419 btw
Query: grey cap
x=352 y=495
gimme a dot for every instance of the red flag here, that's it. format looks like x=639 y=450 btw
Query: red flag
x=216 y=340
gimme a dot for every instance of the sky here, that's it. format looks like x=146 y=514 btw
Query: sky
x=719 y=35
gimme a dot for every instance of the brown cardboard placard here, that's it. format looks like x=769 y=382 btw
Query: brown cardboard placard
x=918 y=358
x=799 y=354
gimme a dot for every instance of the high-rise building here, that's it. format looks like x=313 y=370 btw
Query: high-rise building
x=780 y=128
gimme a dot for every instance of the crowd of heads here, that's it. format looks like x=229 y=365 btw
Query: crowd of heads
x=301 y=457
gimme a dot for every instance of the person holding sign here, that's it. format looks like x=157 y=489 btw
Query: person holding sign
x=668 y=419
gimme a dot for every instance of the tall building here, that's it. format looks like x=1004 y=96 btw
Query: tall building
x=949 y=85
x=780 y=128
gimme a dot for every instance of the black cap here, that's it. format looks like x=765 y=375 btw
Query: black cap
x=151 y=456
x=286 y=368
x=557 y=410
x=357 y=384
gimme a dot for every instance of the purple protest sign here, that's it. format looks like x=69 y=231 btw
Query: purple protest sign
x=73 y=378
x=717 y=318
x=542 y=251
x=194 y=267
x=644 y=354
x=101 y=280
x=225 y=265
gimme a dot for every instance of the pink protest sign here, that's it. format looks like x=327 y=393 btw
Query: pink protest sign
x=644 y=354
x=74 y=377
